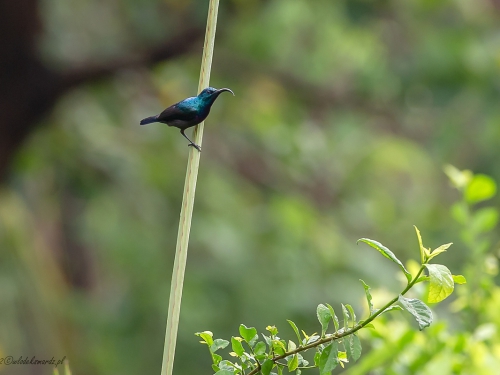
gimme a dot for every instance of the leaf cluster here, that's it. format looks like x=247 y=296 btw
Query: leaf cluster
x=338 y=342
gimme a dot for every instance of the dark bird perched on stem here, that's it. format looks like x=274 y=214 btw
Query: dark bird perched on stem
x=189 y=112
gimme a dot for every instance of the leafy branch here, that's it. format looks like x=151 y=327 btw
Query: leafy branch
x=264 y=356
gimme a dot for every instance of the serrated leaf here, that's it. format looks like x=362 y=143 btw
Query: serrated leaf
x=368 y=296
x=482 y=187
x=387 y=253
x=352 y=347
x=248 y=334
x=345 y=314
x=206 y=336
x=324 y=316
x=260 y=348
x=293 y=363
x=418 y=309
x=334 y=317
x=218 y=344
x=295 y=329
x=441 y=282
x=459 y=279
x=266 y=367
x=353 y=315
x=328 y=359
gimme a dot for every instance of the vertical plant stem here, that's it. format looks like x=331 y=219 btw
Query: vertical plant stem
x=174 y=304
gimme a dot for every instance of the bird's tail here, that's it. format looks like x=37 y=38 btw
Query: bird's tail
x=149 y=120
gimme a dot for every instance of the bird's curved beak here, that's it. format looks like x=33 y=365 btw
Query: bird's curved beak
x=222 y=90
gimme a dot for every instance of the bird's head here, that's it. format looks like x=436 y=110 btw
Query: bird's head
x=210 y=94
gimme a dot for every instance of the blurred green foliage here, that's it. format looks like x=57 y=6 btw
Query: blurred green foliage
x=345 y=113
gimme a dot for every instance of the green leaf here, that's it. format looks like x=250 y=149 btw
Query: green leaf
x=324 y=316
x=218 y=344
x=328 y=359
x=345 y=314
x=266 y=367
x=279 y=347
x=225 y=372
x=237 y=347
x=418 y=309
x=334 y=317
x=458 y=178
x=293 y=363
x=216 y=358
x=368 y=296
x=353 y=315
x=481 y=188
x=387 y=253
x=439 y=250
x=302 y=361
x=422 y=278
x=291 y=345
x=441 y=282
x=295 y=329
x=459 y=279
x=317 y=355
x=206 y=336
x=460 y=212
x=226 y=365
x=248 y=334
x=393 y=307
x=312 y=339
x=260 y=348
x=353 y=347
x=484 y=220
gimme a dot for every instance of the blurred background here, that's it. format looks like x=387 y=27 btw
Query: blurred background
x=345 y=114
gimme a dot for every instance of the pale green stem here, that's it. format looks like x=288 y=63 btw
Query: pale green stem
x=174 y=304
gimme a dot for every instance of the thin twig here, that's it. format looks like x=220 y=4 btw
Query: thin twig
x=339 y=335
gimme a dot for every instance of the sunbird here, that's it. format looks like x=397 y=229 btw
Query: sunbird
x=189 y=112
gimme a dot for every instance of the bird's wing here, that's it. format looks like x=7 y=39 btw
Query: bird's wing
x=178 y=112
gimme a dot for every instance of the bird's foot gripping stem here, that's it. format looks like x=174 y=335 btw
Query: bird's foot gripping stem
x=191 y=143
x=195 y=146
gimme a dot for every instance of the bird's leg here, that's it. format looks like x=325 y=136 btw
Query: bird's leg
x=191 y=143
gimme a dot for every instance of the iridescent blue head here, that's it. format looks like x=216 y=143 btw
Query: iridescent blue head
x=210 y=94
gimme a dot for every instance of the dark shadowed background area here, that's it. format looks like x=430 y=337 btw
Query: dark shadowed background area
x=344 y=116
